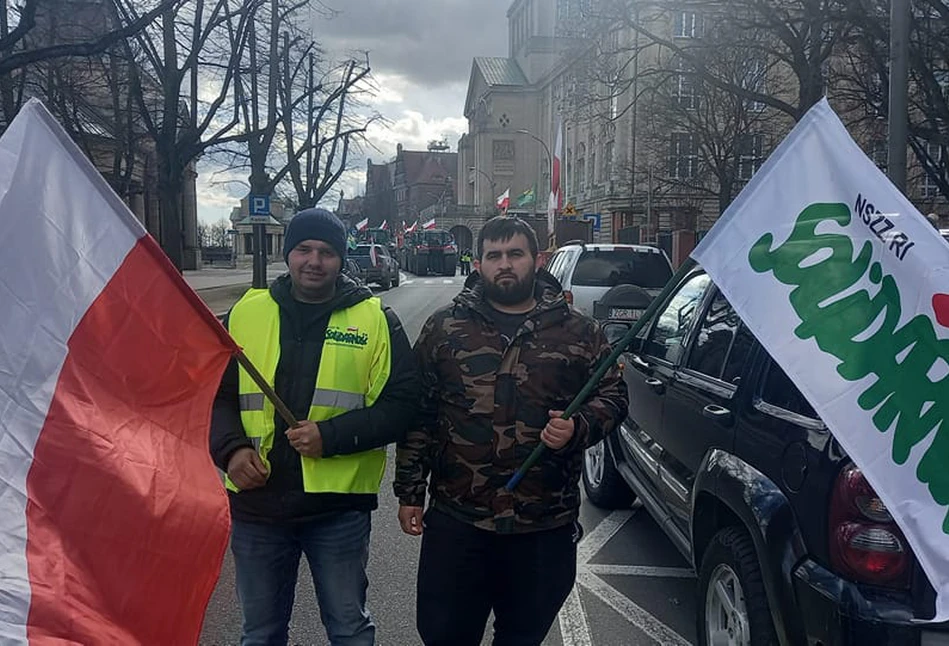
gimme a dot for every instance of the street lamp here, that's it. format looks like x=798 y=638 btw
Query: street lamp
x=488 y=177
x=550 y=163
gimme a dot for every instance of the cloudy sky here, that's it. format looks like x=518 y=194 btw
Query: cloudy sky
x=420 y=52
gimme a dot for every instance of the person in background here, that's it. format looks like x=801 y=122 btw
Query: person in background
x=499 y=366
x=343 y=365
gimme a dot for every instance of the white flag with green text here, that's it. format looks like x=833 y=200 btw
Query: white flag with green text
x=845 y=284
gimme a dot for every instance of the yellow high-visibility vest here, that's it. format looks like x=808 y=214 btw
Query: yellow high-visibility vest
x=354 y=367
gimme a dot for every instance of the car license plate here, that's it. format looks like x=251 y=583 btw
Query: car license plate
x=624 y=313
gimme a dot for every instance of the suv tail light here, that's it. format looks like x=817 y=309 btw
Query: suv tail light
x=421 y=247
x=568 y=296
x=865 y=543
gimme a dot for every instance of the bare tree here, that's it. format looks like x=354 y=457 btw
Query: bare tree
x=319 y=129
x=301 y=122
x=799 y=36
x=863 y=79
x=188 y=63
x=35 y=32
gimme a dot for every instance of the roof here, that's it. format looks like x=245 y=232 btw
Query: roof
x=421 y=167
x=500 y=71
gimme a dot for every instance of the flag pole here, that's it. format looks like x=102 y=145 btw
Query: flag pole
x=620 y=347
x=268 y=391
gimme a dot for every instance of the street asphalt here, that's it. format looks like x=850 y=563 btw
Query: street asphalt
x=633 y=587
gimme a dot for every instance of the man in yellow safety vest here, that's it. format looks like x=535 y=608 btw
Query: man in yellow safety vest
x=342 y=363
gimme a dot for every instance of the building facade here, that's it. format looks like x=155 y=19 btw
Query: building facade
x=644 y=158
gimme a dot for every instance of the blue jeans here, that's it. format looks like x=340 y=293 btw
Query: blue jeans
x=267 y=559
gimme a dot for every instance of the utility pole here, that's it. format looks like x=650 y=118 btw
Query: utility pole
x=897 y=113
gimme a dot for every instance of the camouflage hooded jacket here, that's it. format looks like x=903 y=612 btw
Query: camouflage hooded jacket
x=485 y=404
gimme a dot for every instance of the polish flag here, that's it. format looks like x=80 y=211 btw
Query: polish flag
x=555 y=202
x=412 y=228
x=385 y=225
x=429 y=225
x=362 y=225
x=504 y=200
x=113 y=519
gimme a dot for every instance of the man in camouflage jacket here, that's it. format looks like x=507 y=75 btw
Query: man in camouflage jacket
x=500 y=364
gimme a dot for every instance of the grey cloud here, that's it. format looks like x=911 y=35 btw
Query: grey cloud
x=431 y=42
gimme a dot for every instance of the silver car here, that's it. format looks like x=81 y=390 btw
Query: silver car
x=588 y=270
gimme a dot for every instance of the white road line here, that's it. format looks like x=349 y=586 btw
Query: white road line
x=639 y=570
x=633 y=613
x=448 y=281
x=601 y=535
x=574 y=629
x=427 y=282
x=407 y=282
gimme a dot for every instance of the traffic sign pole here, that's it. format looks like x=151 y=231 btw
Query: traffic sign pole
x=259 y=217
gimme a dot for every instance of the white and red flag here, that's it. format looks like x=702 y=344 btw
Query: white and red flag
x=555 y=202
x=412 y=228
x=504 y=200
x=362 y=225
x=113 y=519
x=385 y=225
x=429 y=225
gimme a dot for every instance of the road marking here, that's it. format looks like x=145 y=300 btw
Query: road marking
x=574 y=629
x=428 y=282
x=448 y=281
x=639 y=570
x=633 y=613
x=407 y=282
x=601 y=535
x=574 y=626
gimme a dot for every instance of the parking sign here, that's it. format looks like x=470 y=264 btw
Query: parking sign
x=259 y=209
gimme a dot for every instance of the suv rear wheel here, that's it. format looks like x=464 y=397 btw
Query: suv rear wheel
x=733 y=605
x=602 y=483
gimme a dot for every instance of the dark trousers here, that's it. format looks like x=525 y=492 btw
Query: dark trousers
x=465 y=572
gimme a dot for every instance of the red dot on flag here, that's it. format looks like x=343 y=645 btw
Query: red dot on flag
x=941 y=308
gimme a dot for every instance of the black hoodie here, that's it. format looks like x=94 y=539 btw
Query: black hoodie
x=302 y=332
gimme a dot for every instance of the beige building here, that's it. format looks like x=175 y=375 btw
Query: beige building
x=641 y=160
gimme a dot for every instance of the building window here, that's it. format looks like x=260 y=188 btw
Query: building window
x=688 y=24
x=934 y=154
x=607 y=161
x=683 y=156
x=750 y=156
x=686 y=95
x=753 y=80
x=581 y=179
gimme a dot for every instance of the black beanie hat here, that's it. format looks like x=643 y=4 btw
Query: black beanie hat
x=315 y=224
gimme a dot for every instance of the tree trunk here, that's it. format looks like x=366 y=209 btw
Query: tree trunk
x=169 y=200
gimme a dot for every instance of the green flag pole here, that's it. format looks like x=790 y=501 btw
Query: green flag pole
x=620 y=347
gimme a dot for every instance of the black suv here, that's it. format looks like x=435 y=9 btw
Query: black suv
x=790 y=542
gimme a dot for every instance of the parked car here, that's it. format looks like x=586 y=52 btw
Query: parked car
x=790 y=543
x=376 y=265
x=352 y=269
x=588 y=270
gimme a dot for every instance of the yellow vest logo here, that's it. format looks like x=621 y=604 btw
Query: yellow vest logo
x=351 y=336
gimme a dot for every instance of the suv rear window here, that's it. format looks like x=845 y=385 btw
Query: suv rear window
x=361 y=250
x=611 y=267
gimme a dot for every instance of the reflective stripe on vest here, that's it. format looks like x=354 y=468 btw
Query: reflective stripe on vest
x=354 y=367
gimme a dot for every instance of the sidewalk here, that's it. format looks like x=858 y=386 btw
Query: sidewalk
x=221 y=287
